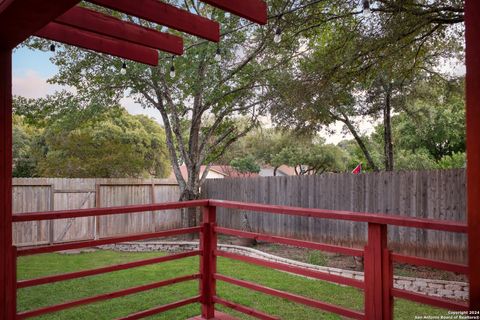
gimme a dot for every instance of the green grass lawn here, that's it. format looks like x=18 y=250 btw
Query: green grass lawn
x=47 y=264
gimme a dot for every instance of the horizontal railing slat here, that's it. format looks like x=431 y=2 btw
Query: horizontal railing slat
x=94 y=243
x=443 y=225
x=433 y=301
x=379 y=218
x=68 y=214
x=291 y=242
x=157 y=310
x=293 y=297
x=243 y=309
x=105 y=296
x=91 y=272
x=443 y=265
x=296 y=270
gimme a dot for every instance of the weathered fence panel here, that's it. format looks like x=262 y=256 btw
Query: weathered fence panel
x=437 y=194
x=32 y=199
x=46 y=194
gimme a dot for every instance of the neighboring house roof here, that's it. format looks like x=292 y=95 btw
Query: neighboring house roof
x=281 y=171
x=224 y=171
x=288 y=171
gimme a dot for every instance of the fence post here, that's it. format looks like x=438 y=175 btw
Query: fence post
x=208 y=263
x=378 y=274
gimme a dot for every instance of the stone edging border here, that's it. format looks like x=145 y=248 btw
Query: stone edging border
x=435 y=288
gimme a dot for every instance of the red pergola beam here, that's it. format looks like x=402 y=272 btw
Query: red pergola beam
x=166 y=15
x=253 y=10
x=19 y=19
x=99 y=23
x=91 y=41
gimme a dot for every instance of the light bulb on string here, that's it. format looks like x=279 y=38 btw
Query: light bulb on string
x=123 y=70
x=278 y=35
x=366 y=8
x=52 y=47
x=172 y=70
x=218 y=55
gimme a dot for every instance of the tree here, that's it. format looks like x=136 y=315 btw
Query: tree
x=358 y=66
x=429 y=133
x=245 y=165
x=455 y=160
x=307 y=154
x=312 y=159
x=435 y=119
x=66 y=140
x=112 y=146
x=199 y=104
x=418 y=160
x=265 y=145
x=24 y=140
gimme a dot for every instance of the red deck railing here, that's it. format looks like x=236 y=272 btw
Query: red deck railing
x=377 y=285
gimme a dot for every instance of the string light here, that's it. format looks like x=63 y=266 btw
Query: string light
x=172 y=70
x=218 y=55
x=278 y=35
x=366 y=8
x=277 y=15
x=123 y=70
x=278 y=31
x=52 y=47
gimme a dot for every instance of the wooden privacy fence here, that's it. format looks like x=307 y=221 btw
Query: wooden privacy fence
x=48 y=194
x=438 y=194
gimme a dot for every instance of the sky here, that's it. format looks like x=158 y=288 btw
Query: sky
x=32 y=69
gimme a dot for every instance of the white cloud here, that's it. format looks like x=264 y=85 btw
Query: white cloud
x=32 y=85
x=135 y=108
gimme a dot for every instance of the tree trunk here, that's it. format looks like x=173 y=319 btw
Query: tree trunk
x=359 y=141
x=190 y=215
x=387 y=131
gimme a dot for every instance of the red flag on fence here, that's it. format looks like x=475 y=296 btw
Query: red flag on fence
x=358 y=169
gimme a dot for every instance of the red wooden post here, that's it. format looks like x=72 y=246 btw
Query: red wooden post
x=378 y=274
x=208 y=262
x=6 y=267
x=472 y=25
x=12 y=311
